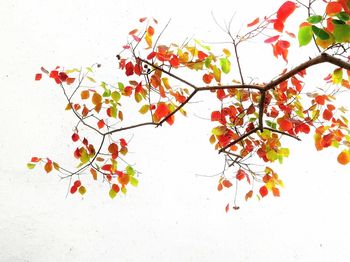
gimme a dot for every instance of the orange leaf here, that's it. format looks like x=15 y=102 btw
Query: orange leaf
x=150 y=30
x=123 y=179
x=85 y=94
x=254 y=22
x=93 y=173
x=275 y=191
x=48 y=167
x=344 y=157
x=96 y=99
x=70 y=80
x=248 y=195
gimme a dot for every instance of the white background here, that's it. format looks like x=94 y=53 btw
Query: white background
x=173 y=215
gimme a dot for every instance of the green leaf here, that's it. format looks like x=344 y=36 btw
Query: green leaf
x=305 y=35
x=314 y=19
x=121 y=86
x=106 y=93
x=91 y=79
x=30 y=165
x=322 y=34
x=133 y=181
x=130 y=171
x=203 y=46
x=343 y=16
x=115 y=96
x=89 y=69
x=271 y=155
x=338 y=22
x=341 y=33
x=271 y=124
x=112 y=193
x=123 y=189
x=225 y=65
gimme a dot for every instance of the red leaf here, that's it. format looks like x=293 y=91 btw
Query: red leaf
x=333 y=8
x=278 y=25
x=320 y=99
x=62 y=76
x=107 y=167
x=101 y=124
x=150 y=30
x=296 y=82
x=271 y=39
x=77 y=183
x=327 y=114
x=38 y=77
x=227 y=208
x=35 y=159
x=201 y=55
x=285 y=10
x=215 y=116
x=240 y=174
x=77 y=154
x=226 y=183
x=132 y=32
x=161 y=111
x=220 y=94
x=285 y=124
x=174 y=61
x=151 y=55
x=136 y=38
x=73 y=189
x=129 y=69
x=115 y=188
x=219 y=187
x=254 y=22
x=75 y=137
x=207 y=78
x=123 y=142
x=263 y=191
x=142 y=19
x=284 y=44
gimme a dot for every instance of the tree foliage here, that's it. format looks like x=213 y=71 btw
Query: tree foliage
x=252 y=117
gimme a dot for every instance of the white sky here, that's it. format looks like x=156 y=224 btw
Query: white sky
x=173 y=215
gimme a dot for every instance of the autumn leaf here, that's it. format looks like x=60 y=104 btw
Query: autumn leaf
x=344 y=157
x=263 y=191
x=254 y=22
